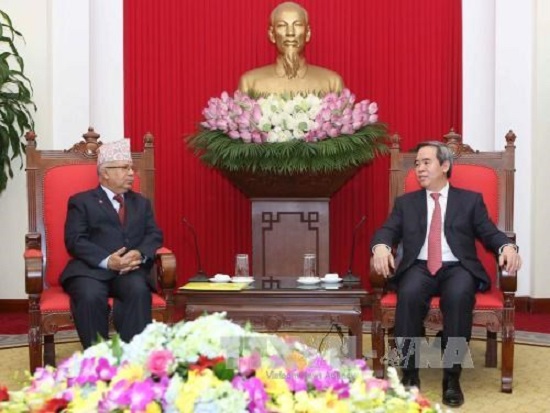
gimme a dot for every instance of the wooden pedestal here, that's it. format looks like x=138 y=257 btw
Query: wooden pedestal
x=283 y=230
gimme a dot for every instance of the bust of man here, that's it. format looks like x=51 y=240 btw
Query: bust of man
x=289 y=30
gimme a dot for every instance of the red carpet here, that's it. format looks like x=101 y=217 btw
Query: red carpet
x=17 y=323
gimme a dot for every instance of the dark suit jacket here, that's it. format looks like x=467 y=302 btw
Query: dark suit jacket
x=466 y=219
x=93 y=231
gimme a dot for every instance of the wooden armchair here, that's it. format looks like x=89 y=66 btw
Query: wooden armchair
x=52 y=177
x=491 y=174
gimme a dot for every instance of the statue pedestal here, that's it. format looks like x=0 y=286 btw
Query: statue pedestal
x=290 y=217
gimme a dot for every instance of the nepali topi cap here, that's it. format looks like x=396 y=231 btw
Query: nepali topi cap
x=115 y=151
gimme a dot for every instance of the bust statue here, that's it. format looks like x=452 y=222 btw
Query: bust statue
x=289 y=30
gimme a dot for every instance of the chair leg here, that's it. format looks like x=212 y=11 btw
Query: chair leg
x=508 y=338
x=35 y=348
x=491 y=349
x=49 y=350
x=378 y=348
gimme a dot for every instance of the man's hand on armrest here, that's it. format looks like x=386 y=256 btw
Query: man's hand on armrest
x=382 y=259
x=509 y=258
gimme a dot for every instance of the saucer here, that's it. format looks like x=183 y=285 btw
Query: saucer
x=308 y=280
x=308 y=287
x=242 y=279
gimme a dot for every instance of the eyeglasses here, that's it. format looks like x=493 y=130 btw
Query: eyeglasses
x=126 y=168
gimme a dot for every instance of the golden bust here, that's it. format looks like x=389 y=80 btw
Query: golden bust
x=289 y=30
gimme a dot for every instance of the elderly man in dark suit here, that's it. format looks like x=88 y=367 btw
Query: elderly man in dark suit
x=112 y=237
x=438 y=226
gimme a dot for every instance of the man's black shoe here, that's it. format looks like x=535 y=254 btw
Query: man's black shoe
x=410 y=379
x=452 y=393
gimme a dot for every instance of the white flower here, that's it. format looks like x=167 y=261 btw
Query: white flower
x=154 y=337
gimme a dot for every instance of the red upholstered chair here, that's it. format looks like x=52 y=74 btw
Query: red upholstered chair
x=52 y=177
x=491 y=174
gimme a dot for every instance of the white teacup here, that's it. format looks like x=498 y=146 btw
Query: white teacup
x=222 y=277
x=332 y=276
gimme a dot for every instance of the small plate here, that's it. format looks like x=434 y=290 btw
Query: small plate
x=242 y=279
x=308 y=287
x=308 y=280
x=331 y=280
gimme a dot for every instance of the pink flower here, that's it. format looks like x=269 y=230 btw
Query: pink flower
x=239 y=117
x=159 y=361
x=377 y=384
x=247 y=365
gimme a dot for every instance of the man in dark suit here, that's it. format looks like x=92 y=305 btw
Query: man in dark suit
x=437 y=227
x=112 y=236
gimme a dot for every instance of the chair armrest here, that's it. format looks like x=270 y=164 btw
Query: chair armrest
x=508 y=281
x=166 y=268
x=377 y=281
x=34 y=264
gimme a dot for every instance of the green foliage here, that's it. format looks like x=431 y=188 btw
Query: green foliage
x=15 y=100
x=223 y=372
x=216 y=149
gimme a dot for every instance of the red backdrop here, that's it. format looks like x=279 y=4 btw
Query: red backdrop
x=177 y=54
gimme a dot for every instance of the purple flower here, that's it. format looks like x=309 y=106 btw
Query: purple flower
x=323 y=377
x=141 y=394
x=104 y=370
x=117 y=396
x=256 y=393
x=296 y=380
x=88 y=372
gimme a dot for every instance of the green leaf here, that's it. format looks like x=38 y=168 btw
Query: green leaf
x=222 y=372
x=16 y=105
x=218 y=150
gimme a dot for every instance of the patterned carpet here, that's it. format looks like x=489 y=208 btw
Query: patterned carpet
x=522 y=337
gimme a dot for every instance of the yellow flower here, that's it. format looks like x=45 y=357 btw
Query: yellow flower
x=197 y=383
x=283 y=403
x=87 y=400
x=129 y=372
x=274 y=380
x=153 y=407
x=324 y=402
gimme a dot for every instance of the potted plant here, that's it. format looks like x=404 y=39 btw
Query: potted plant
x=15 y=100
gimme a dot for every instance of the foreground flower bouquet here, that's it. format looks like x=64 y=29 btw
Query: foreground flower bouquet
x=287 y=135
x=210 y=365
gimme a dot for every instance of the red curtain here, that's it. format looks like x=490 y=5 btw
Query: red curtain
x=402 y=54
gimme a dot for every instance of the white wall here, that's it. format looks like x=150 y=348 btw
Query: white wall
x=77 y=83
x=13 y=201
x=540 y=216
x=75 y=64
x=499 y=58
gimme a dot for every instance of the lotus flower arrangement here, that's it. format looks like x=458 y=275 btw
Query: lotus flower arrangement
x=210 y=365
x=289 y=134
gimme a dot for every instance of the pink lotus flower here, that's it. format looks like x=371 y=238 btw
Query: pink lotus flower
x=240 y=117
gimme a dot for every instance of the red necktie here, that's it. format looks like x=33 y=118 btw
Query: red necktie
x=434 y=237
x=121 y=209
